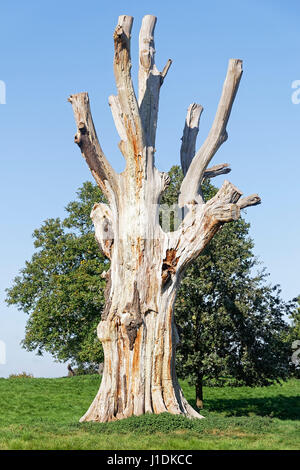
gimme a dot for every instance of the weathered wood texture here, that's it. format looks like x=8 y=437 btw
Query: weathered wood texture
x=137 y=327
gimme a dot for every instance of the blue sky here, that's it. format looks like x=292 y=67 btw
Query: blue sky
x=50 y=50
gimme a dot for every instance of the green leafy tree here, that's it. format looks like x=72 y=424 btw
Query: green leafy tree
x=236 y=325
x=231 y=323
x=61 y=287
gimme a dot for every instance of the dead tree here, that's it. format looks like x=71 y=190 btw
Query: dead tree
x=137 y=327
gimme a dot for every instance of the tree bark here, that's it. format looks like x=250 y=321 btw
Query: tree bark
x=137 y=327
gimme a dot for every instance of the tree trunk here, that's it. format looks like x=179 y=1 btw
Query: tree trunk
x=139 y=373
x=137 y=327
x=199 y=393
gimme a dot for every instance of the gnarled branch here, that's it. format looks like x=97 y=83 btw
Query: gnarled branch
x=202 y=222
x=87 y=140
x=150 y=79
x=252 y=200
x=227 y=194
x=189 y=191
x=221 y=169
x=126 y=96
x=190 y=132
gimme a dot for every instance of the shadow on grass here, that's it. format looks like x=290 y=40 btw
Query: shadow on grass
x=281 y=407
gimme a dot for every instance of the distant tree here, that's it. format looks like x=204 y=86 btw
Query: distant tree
x=231 y=322
x=61 y=288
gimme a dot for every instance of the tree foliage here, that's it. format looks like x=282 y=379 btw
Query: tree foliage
x=231 y=322
x=61 y=288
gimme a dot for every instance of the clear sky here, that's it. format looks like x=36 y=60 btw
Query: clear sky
x=52 y=49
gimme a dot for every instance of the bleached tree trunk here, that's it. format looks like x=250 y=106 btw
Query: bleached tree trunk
x=137 y=327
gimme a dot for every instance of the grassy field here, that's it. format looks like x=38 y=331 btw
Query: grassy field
x=44 y=414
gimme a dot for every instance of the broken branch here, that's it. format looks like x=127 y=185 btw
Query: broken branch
x=150 y=79
x=87 y=140
x=189 y=137
x=126 y=96
x=216 y=170
x=252 y=200
x=189 y=191
x=165 y=70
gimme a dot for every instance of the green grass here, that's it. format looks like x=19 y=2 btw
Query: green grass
x=44 y=414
